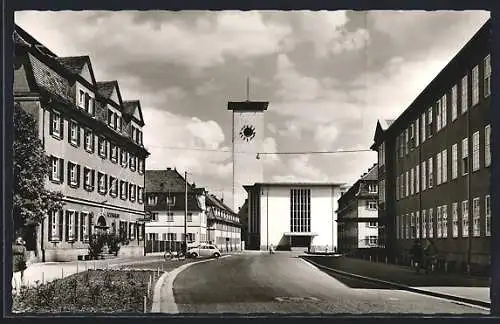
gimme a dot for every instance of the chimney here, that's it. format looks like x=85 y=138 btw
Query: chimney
x=222 y=200
x=169 y=169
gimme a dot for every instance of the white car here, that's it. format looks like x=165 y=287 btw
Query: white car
x=204 y=250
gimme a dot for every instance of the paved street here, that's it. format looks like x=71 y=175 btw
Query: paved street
x=283 y=283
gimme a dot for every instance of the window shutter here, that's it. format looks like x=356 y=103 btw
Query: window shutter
x=51 y=161
x=92 y=179
x=78 y=175
x=92 y=107
x=105 y=183
x=50 y=225
x=82 y=221
x=61 y=170
x=92 y=142
x=69 y=172
x=78 y=135
x=69 y=131
x=51 y=122
x=67 y=226
x=91 y=223
x=61 y=223
x=62 y=126
x=75 y=226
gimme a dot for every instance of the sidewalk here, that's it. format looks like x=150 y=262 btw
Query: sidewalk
x=47 y=271
x=458 y=285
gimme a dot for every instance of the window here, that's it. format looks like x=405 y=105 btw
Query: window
x=430 y=131
x=424 y=224
x=170 y=217
x=114 y=153
x=407 y=184
x=465 y=156
x=154 y=216
x=123 y=190
x=101 y=179
x=417 y=128
x=406 y=140
x=372 y=205
x=439 y=168
x=439 y=115
x=465 y=218
x=444 y=221
x=300 y=210
x=424 y=176
x=84 y=226
x=454 y=219
x=411 y=131
x=140 y=167
x=475 y=151
x=102 y=147
x=412 y=181
x=74 y=137
x=475 y=85
x=189 y=217
x=465 y=99
x=444 y=164
x=152 y=200
x=430 y=168
x=439 y=222
x=132 y=190
x=454 y=161
x=476 y=227
x=124 y=158
x=73 y=174
x=487 y=146
x=57 y=173
x=170 y=201
x=417 y=223
x=140 y=195
x=89 y=141
x=407 y=226
x=454 y=103
x=132 y=162
x=70 y=225
x=372 y=187
x=171 y=237
x=372 y=240
x=417 y=178
x=487 y=212
x=119 y=124
x=431 y=223
x=381 y=154
x=397 y=188
x=131 y=233
x=55 y=221
x=412 y=226
x=371 y=224
x=56 y=124
x=81 y=98
x=113 y=186
x=88 y=175
x=487 y=76
x=444 y=111
x=422 y=128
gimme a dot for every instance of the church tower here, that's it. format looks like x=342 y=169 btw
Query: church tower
x=248 y=138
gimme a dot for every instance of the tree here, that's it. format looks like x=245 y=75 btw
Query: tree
x=32 y=201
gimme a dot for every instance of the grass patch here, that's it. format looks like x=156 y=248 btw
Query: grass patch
x=92 y=291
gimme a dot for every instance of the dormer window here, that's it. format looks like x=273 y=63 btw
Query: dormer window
x=152 y=200
x=372 y=187
x=119 y=124
x=81 y=98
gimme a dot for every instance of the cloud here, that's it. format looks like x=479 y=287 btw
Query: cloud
x=325 y=135
x=269 y=146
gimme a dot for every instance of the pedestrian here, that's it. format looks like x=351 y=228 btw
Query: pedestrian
x=18 y=264
x=416 y=254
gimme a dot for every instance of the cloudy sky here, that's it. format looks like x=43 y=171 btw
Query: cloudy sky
x=327 y=75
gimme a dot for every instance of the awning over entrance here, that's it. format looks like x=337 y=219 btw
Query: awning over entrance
x=300 y=234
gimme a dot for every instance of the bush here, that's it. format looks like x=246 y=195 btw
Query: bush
x=114 y=243
x=96 y=245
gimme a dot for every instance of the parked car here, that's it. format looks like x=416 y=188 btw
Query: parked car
x=204 y=250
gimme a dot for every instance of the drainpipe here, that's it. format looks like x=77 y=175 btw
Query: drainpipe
x=267 y=216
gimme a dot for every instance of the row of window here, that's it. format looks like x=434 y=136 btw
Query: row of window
x=105 y=183
x=73 y=226
x=170 y=217
x=423 y=128
x=114 y=119
x=105 y=148
x=408 y=183
x=408 y=225
x=222 y=213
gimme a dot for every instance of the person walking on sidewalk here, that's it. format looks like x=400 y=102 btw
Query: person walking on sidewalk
x=416 y=253
x=18 y=264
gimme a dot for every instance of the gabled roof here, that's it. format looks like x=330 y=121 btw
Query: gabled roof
x=129 y=109
x=75 y=64
x=105 y=88
x=22 y=37
x=213 y=200
x=169 y=180
x=372 y=173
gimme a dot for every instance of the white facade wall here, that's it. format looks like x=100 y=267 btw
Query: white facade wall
x=197 y=226
x=275 y=215
x=364 y=230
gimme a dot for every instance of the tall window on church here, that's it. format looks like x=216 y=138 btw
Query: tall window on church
x=300 y=210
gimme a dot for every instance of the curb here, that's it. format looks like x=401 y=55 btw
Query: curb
x=405 y=287
x=170 y=277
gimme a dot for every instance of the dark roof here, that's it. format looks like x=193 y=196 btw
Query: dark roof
x=105 y=88
x=74 y=63
x=372 y=173
x=129 y=106
x=169 y=180
x=179 y=204
x=213 y=200
x=247 y=105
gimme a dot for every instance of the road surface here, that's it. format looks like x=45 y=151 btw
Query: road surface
x=283 y=283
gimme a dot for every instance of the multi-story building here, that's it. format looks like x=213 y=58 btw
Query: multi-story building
x=94 y=140
x=357 y=214
x=166 y=206
x=292 y=215
x=224 y=229
x=434 y=163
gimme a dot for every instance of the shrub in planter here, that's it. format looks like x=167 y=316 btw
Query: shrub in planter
x=96 y=245
x=114 y=244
